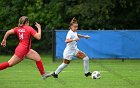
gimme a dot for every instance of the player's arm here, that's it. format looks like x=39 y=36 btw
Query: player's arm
x=38 y=34
x=71 y=40
x=9 y=32
x=83 y=36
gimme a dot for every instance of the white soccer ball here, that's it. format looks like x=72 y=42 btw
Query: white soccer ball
x=95 y=75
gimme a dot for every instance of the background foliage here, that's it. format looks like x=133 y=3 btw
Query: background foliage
x=56 y=14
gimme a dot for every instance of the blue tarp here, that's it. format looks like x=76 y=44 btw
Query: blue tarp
x=104 y=43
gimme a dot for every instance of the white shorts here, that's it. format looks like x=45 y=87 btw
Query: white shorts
x=68 y=54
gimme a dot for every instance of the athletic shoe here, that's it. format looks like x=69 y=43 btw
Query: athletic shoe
x=45 y=76
x=54 y=75
x=87 y=74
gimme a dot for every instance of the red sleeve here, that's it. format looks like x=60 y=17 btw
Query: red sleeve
x=15 y=30
x=33 y=32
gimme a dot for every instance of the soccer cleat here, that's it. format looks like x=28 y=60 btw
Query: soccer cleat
x=45 y=76
x=87 y=74
x=54 y=75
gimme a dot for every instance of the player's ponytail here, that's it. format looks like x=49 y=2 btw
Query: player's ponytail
x=22 y=21
x=73 y=21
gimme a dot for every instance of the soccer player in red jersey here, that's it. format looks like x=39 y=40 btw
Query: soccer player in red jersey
x=24 y=33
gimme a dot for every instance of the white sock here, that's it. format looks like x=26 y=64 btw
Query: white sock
x=60 y=68
x=86 y=64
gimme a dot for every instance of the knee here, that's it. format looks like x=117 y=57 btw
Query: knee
x=66 y=61
x=86 y=58
x=38 y=59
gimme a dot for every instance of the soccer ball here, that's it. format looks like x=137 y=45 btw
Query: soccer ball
x=95 y=75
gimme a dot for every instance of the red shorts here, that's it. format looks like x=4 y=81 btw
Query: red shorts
x=21 y=51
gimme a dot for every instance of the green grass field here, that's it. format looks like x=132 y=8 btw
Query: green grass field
x=115 y=74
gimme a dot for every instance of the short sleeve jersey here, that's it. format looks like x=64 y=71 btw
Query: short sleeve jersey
x=71 y=45
x=24 y=34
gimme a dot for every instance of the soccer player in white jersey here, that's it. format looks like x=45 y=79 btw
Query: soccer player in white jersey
x=72 y=50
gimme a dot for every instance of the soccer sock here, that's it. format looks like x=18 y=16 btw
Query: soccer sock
x=40 y=67
x=86 y=64
x=60 y=68
x=4 y=65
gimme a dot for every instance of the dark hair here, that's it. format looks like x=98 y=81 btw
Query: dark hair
x=73 y=21
x=23 y=20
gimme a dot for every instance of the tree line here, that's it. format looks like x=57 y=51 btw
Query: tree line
x=56 y=14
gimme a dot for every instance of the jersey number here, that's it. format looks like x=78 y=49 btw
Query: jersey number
x=21 y=36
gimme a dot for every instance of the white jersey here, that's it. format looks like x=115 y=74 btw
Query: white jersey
x=71 y=45
x=71 y=48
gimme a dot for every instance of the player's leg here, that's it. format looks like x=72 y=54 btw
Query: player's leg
x=13 y=61
x=33 y=55
x=61 y=67
x=85 y=58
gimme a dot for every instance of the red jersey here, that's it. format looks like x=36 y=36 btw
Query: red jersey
x=24 y=34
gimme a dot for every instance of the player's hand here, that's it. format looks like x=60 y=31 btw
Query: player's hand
x=86 y=36
x=37 y=25
x=3 y=43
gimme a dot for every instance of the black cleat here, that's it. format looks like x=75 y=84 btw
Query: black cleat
x=87 y=74
x=54 y=75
